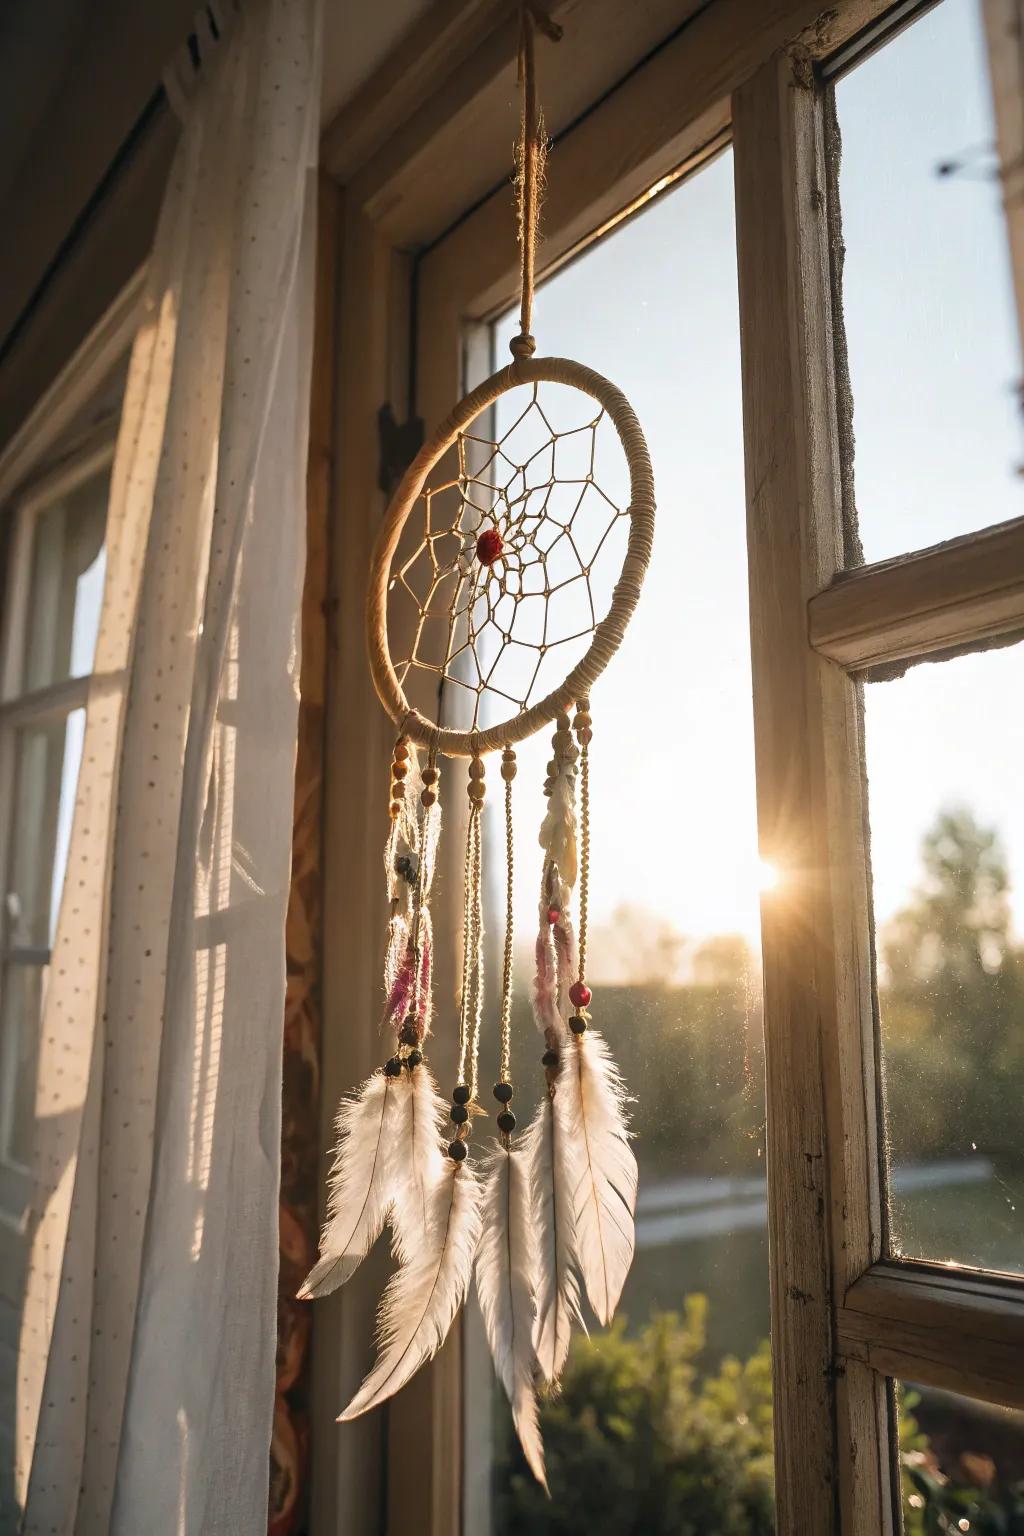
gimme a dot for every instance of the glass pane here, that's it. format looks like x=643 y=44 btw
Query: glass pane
x=68 y=567
x=961 y=1464
x=945 y=745
x=20 y=1011
x=664 y=1422
x=930 y=320
x=47 y=758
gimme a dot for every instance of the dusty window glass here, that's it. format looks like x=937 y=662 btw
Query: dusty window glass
x=945 y=745
x=961 y=1464
x=934 y=354
x=664 y=1420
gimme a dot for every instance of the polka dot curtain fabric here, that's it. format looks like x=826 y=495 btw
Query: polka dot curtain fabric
x=146 y=1365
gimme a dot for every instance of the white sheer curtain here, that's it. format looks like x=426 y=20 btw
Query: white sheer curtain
x=146 y=1366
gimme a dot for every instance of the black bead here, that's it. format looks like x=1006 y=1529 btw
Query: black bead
x=413 y=1059
x=577 y=1024
x=409 y=1034
x=457 y=1151
x=460 y=1114
x=460 y=1095
x=506 y=1121
x=393 y=1067
x=550 y=1059
x=503 y=1092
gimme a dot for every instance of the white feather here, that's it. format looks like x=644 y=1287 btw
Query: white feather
x=359 y=1187
x=423 y=1296
x=417 y=1163
x=558 y=1293
x=590 y=1102
x=506 y=1281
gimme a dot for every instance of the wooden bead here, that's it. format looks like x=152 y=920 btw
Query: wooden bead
x=401 y=752
x=460 y=1095
x=477 y=790
x=460 y=1114
x=413 y=1059
x=506 y=1122
x=550 y=1059
x=399 y=770
x=429 y=775
x=395 y=810
x=586 y=736
x=476 y=768
x=457 y=1151
x=428 y=797
x=582 y=720
x=509 y=770
x=562 y=720
x=503 y=1092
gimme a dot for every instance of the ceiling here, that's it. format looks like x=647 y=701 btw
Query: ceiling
x=359 y=35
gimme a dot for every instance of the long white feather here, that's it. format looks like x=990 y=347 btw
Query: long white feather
x=506 y=1281
x=553 y=1180
x=417 y=1162
x=590 y=1102
x=359 y=1187
x=423 y=1296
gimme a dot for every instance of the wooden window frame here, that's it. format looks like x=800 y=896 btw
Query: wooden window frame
x=413 y=313
x=51 y=453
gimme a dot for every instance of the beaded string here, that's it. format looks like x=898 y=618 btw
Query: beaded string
x=579 y=993
x=503 y=1087
x=472 y=1001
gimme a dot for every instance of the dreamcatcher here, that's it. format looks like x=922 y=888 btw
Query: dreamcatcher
x=493 y=545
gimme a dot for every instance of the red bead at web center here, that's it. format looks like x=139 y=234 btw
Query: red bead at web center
x=489 y=546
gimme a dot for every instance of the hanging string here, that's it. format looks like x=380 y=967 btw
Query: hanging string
x=531 y=154
x=478 y=957
x=472 y=1002
x=582 y=724
x=508 y=773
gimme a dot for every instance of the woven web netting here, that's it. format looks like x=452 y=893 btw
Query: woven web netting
x=510 y=558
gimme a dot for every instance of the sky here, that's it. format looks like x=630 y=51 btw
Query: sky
x=934 y=361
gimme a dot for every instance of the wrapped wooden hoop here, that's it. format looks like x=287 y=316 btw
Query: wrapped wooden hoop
x=608 y=632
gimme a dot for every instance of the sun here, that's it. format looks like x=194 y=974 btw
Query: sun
x=768 y=877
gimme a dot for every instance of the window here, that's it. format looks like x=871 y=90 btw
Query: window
x=887 y=1306
x=674 y=906
x=54 y=590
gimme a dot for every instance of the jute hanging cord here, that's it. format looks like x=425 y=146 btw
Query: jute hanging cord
x=506 y=551
x=531 y=157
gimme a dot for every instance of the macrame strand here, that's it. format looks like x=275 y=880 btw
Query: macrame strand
x=508 y=773
x=583 y=733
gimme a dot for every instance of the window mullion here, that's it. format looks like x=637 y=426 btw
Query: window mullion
x=967 y=592
x=834 y=1443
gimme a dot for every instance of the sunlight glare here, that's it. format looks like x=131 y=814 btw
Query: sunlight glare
x=768 y=876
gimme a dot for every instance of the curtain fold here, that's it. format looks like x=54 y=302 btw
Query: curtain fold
x=146 y=1363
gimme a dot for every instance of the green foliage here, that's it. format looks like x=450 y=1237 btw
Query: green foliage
x=639 y=1443
x=936 y=1505
x=953 y=1002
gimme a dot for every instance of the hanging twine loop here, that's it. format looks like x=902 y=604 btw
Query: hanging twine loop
x=531 y=155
